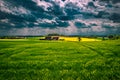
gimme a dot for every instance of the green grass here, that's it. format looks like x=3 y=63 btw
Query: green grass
x=57 y=60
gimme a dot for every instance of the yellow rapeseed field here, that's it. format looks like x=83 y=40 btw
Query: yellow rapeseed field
x=89 y=39
x=64 y=38
x=76 y=39
x=69 y=38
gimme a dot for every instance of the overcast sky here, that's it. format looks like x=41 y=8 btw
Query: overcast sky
x=69 y=17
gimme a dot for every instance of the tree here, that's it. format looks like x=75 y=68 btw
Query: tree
x=111 y=37
x=79 y=39
x=53 y=34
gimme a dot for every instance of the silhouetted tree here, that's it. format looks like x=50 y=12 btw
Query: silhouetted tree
x=53 y=34
x=111 y=37
x=79 y=38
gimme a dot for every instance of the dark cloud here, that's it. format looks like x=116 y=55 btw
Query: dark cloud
x=28 y=4
x=80 y=25
x=56 y=10
x=115 y=17
x=93 y=24
x=107 y=26
x=114 y=1
x=52 y=14
x=71 y=9
x=102 y=14
x=91 y=4
x=63 y=0
x=64 y=18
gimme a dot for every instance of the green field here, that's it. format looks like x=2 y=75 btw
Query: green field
x=59 y=60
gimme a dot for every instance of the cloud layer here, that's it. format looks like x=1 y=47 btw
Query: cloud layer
x=70 y=17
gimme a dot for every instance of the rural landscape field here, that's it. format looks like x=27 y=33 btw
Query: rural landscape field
x=59 y=39
x=28 y=59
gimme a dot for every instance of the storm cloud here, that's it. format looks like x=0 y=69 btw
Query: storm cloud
x=38 y=17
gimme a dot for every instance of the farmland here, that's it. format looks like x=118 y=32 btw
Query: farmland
x=27 y=59
x=63 y=38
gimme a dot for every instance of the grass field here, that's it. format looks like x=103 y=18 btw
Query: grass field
x=59 y=60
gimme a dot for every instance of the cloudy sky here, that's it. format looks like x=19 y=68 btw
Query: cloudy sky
x=69 y=17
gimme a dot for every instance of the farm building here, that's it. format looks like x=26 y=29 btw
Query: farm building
x=51 y=38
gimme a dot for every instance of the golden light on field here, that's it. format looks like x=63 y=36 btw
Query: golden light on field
x=89 y=39
x=76 y=39
x=69 y=38
x=63 y=38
